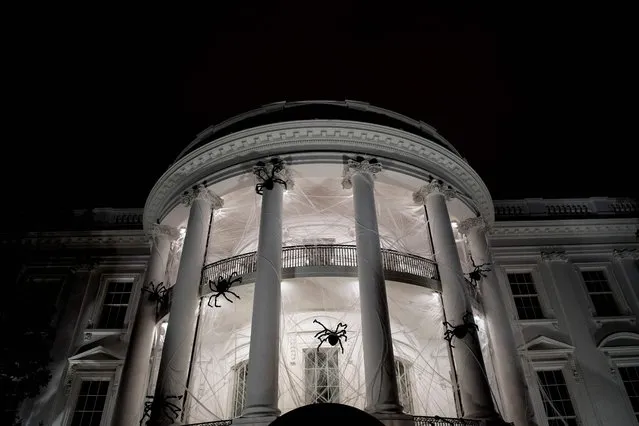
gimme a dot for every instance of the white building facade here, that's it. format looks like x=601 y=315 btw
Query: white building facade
x=334 y=252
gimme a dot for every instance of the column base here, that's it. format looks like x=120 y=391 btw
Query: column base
x=261 y=411
x=395 y=419
x=254 y=421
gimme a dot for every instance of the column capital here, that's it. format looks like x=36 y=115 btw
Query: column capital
x=270 y=172
x=554 y=255
x=433 y=187
x=359 y=165
x=200 y=192
x=627 y=253
x=162 y=231
x=471 y=223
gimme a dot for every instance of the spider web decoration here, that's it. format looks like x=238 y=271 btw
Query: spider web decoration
x=319 y=210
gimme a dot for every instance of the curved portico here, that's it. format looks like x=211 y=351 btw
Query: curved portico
x=294 y=245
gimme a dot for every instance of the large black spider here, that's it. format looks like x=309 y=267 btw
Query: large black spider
x=222 y=287
x=478 y=272
x=333 y=336
x=170 y=410
x=157 y=293
x=267 y=173
x=460 y=331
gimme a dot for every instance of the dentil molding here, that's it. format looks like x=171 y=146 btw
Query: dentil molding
x=234 y=155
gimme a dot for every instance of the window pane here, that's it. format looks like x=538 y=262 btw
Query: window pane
x=239 y=394
x=90 y=403
x=404 y=385
x=321 y=375
x=556 y=399
x=602 y=297
x=525 y=296
x=630 y=377
x=115 y=304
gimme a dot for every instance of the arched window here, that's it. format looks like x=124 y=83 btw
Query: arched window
x=404 y=384
x=239 y=389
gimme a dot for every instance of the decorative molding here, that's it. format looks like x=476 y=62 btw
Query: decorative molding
x=404 y=152
x=359 y=165
x=162 y=231
x=433 y=187
x=600 y=321
x=575 y=369
x=87 y=336
x=628 y=253
x=98 y=239
x=472 y=222
x=567 y=228
x=555 y=255
x=200 y=192
x=68 y=381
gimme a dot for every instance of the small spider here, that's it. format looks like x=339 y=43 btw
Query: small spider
x=268 y=174
x=222 y=287
x=157 y=293
x=170 y=410
x=333 y=337
x=478 y=272
x=460 y=331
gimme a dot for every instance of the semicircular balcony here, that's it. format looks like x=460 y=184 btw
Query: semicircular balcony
x=326 y=260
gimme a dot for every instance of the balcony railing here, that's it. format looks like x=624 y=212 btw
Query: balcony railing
x=341 y=260
x=419 y=421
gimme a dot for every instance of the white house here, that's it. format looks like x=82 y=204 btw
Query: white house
x=314 y=252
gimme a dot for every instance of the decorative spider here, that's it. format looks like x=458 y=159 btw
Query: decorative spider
x=478 y=272
x=157 y=293
x=170 y=410
x=222 y=287
x=268 y=174
x=333 y=336
x=460 y=331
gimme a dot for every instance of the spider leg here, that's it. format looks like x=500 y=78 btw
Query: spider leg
x=216 y=296
x=320 y=324
x=340 y=344
x=229 y=291
x=212 y=296
x=319 y=333
x=224 y=294
x=321 y=341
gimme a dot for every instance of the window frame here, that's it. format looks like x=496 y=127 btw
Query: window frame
x=542 y=295
x=89 y=371
x=334 y=350
x=134 y=298
x=233 y=399
x=626 y=363
x=408 y=372
x=570 y=394
x=613 y=284
x=563 y=365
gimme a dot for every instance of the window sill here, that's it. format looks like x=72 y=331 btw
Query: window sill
x=98 y=333
x=539 y=321
x=599 y=321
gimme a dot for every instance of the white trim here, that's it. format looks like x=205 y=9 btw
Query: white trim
x=613 y=284
x=135 y=279
x=542 y=295
x=97 y=370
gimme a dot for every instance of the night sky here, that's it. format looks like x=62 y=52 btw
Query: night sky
x=541 y=102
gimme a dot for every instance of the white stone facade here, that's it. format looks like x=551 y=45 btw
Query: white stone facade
x=381 y=229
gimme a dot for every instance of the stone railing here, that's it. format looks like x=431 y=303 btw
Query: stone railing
x=419 y=421
x=538 y=208
x=443 y=421
x=326 y=259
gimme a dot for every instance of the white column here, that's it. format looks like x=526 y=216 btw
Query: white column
x=379 y=364
x=476 y=398
x=134 y=378
x=180 y=333
x=508 y=366
x=263 y=367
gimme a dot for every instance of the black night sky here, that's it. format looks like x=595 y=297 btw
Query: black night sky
x=100 y=101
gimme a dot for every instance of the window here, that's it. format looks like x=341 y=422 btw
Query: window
x=90 y=403
x=557 y=403
x=525 y=296
x=601 y=296
x=404 y=385
x=321 y=375
x=116 y=301
x=239 y=391
x=630 y=377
